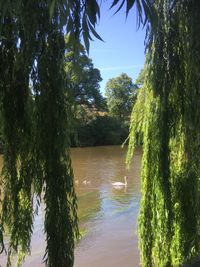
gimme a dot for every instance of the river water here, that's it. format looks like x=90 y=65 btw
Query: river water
x=108 y=215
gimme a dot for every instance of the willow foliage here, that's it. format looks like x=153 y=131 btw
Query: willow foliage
x=36 y=126
x=36 y=117
x=169 y=218
x=36 y=123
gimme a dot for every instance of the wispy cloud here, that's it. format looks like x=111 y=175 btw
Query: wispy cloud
x=103 y=50
x=121 y=67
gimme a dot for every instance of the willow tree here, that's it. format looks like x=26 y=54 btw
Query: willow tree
x=167 y=116
x=36 y=126
x=36 y=123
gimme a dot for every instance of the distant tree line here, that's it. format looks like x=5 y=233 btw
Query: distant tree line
x=98 y=120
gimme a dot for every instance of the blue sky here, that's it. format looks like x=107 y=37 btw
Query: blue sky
x=123 y=49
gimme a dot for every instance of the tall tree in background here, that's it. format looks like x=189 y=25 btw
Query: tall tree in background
x=120 y=94
x=83 y=77
x=86 y=99
x=84 y=82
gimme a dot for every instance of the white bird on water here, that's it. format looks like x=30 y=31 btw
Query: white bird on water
x=86 y=182
x=120 y=184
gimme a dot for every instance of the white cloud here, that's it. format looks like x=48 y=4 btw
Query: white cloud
x=102 y=50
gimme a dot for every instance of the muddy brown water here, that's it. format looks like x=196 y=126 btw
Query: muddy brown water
x=108 y=215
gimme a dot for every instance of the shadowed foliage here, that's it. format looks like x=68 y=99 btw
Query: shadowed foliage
x=36 y=118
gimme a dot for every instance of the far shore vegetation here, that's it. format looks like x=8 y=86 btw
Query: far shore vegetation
x=97 y=120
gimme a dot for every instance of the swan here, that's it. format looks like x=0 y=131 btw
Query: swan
x=120 y=184
x=86 y=182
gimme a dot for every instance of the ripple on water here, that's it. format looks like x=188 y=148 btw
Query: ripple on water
x=108 y=216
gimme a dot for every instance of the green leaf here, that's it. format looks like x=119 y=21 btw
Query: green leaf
x=97 y=10
x=95 y=33
x=91 y=10
x=129 y=5
x=86 y=41
x=115 y=2
x=120 y=7
x=52 y=7
x=149 y=11
x=85 y=28
x=139 y=10
x=69 y=24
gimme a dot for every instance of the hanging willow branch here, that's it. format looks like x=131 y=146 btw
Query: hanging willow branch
x=169 y=216
x=36 y=117
x=33 y=89
x=51 y=103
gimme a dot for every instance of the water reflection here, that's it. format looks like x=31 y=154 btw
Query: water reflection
x=107 y=215
x=111 y=238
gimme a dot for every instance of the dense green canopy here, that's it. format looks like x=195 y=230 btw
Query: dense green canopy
x=120 y=95
x=83 y=77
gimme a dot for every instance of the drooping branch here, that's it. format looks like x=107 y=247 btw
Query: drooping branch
x=169 y=217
